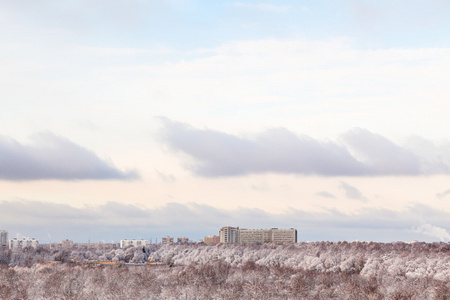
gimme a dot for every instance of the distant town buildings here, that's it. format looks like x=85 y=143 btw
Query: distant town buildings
x=4 y=239
x=134 y=243
x=23 y=242
x=212 y=239
x=227 y=234
x=236 y=235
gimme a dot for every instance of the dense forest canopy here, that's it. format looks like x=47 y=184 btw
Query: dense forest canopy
x=322 y=270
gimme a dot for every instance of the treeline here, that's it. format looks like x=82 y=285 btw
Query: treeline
x=320 y=270
x=29 y=256
x=211 y=280
x=430 y=260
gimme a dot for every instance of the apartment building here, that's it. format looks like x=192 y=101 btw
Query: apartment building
x=102 y=246
x=284 y=235
x=212 y=239
x=275 y=235
x=229 y=234
x=255 y=236
x=167 y=240
x=133 y=243
x=68 y=244
x=182 y=240
x=4 y=239
x=23 y=242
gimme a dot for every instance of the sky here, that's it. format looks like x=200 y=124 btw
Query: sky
x=141 y=119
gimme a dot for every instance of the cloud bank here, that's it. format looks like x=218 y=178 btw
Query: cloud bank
x=115 y=221
x=54 y=157
x=434 y=231
x=278 y=150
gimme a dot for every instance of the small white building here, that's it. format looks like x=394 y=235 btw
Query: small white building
x=16 y=243
x=134 y=243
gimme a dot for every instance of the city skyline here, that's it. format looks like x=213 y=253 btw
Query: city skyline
x=134 y=119
x=242 y=235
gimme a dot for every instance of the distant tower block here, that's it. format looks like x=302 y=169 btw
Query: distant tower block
x=229 y=234
x=4 y=239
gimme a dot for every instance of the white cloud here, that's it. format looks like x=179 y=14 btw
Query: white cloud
x=280 y=150
x=327 y=86
x=434 y=231
x=54 y=157
x=322 y=85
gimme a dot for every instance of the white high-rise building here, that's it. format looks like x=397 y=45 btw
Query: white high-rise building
x=16 y=243
x=134 y=243
x=3 y=239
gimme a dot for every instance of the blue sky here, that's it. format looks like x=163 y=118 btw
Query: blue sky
x=192 y=115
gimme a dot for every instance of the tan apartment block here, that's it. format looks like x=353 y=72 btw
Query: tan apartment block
x=268 y=235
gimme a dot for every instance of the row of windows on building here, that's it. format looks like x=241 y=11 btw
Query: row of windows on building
x=68 y=244
x=16 y=243
x=230 y=234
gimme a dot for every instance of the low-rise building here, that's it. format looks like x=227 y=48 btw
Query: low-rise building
x=133 y=243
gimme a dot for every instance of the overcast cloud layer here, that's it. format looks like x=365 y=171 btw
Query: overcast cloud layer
x=279 y=150
x=351 y=95
x=114 y=220
x=53 y=157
